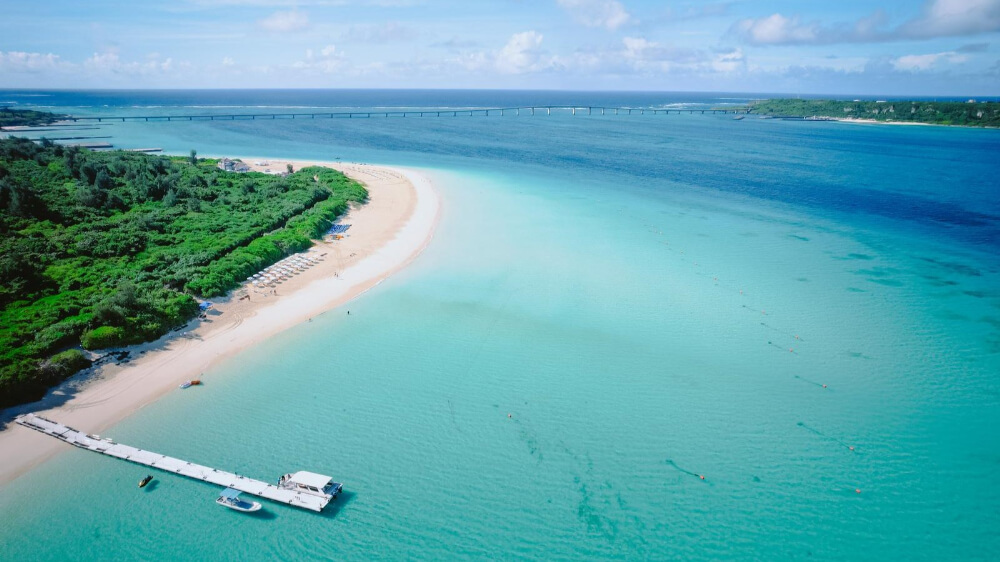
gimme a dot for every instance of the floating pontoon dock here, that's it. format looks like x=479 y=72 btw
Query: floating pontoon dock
x=172 y=465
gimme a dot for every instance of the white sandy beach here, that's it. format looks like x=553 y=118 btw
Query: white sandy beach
x=386 y=233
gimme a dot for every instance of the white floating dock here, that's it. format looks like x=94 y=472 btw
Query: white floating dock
x=169 y=464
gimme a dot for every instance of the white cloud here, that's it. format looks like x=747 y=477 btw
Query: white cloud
x=610 y=14
x=636 y=46
x=110 y=63
x=520 y=54
x=729 y=61
x=103 y=61
x=19 y=61
x=775 y=29
x=228 y=61
x=328 y=60
x=938 y=18
x=915 y=63
x=943 y=18
x=638 y=56
x=388 y=32
x=283 y=22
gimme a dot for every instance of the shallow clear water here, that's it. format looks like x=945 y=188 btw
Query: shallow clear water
x=650 y=300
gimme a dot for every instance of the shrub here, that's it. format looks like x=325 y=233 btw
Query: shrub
x=105 y=336
x=63 y=365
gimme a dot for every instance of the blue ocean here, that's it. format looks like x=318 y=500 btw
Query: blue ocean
x=632 y=337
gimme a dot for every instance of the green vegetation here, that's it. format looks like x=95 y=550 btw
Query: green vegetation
x=966 y=114
x=26 y=117
x=103 y=249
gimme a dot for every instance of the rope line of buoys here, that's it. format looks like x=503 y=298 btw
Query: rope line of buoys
x=669 y=462
x=782 y=332
x=825 y=436
x=812 y=382
x=756 y=309
x=772 y=344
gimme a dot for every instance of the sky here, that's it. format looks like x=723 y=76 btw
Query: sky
x=892 y=47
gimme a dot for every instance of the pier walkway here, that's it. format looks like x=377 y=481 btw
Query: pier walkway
x=450 y=112
x=169 y=464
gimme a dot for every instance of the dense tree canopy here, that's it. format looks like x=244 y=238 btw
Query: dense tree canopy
x=970 y=114
x=25 y=117
x=102 y=249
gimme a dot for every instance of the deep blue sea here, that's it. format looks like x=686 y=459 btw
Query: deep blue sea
x=796 y=311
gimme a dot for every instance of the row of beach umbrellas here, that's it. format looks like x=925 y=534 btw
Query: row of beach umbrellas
x=283 y=270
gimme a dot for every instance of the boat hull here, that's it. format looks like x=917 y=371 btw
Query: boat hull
x=252 y=506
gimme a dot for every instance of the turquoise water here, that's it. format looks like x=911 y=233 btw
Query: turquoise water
x=650 y=301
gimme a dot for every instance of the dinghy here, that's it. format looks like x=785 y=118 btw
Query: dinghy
x=231 y=498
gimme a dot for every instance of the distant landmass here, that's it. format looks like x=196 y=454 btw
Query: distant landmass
x=964 y=114
x=26 y=117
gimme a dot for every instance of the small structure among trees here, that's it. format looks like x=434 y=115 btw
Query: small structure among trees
x=233 y=165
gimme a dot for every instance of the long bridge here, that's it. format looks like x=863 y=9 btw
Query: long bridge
x=468 y=112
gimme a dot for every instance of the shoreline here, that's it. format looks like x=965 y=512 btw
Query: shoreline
x=902 y=123
x=387 y=233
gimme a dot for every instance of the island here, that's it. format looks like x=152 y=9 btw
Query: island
x=102 y=249
x=966 y=114
x=26 y=117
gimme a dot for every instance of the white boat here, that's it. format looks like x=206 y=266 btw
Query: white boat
x=311 y=483
x=231 y=498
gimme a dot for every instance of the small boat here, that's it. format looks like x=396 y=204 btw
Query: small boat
x=231 y=498
x=188 y=384
x=146 y=480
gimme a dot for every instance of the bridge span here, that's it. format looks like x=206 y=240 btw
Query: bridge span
x=450 y=112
